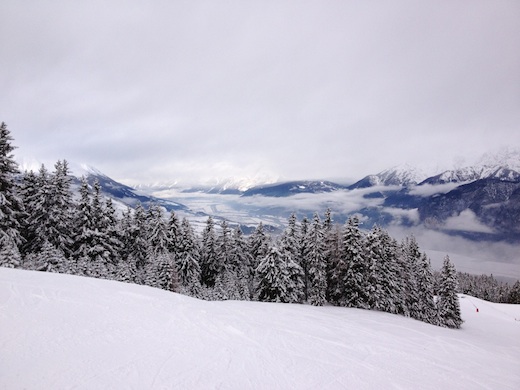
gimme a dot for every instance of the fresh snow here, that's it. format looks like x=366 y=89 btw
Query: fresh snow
x=64 y=332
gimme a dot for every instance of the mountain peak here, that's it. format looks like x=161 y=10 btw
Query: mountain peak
x=504 y=158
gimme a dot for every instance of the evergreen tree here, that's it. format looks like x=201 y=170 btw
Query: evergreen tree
x=259 y=245
x=29 y=193
x=272 y=278
x=174 y=233
x=448 y=301
x=9 y=254
x=161 y=273
x=315 y=260
x=427 y=310
x=514 y=293
x=61 y=209
x=278 y=278
x=290 y=239
x=83 y=221
x=11 y=205
x=410 y=259
x=139 y=233
x=240 y=264
x=354 y=276
x=188 y=258
x=209 y=264
x=51 y=259
x=158 y=237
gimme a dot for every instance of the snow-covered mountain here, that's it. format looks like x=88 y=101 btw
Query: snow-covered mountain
x=228 y=185
x=293 y=188
x=402 y=175
x=63 y=331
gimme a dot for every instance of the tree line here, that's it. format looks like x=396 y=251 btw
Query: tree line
x=45 y=225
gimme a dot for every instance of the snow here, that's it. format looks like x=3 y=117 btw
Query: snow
x=62 y=331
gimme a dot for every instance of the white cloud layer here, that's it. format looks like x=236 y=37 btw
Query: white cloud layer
x=466 y=221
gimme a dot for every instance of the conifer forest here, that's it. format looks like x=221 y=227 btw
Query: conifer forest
x=47 y=225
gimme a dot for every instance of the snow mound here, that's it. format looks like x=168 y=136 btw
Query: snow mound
x=62 y=331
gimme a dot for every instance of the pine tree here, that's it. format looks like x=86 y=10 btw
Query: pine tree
x=278 y=278
x=272 y=278
x=290 y=239
x=209 y=264
x=158 y=237
x=259 y=243
x=9 y=254
x=448 y=301
x=61 y=209
x=11 y=205
x=316 y=266
x=240 y=264
x=139 y=233
x=174 y=233
x=410 y=257
x=355 y=274
x=162 y=273
x=188 y=258
x=514 y=293
x=29 y=193
x=51 y=259
x=83 y=221
x=427 y=309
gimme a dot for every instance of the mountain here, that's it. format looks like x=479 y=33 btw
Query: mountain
x=480 y=202
x=225 y=186
x=119 y=192
x=293 y=188
x=403 y=175
x=62 y=331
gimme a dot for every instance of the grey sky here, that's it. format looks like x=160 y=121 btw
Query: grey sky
x=162 y=90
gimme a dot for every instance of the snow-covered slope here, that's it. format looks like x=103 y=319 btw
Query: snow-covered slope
x=61 y=331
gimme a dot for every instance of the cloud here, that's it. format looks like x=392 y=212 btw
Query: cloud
x=150 y=91
x=466 y=221
x=426 y=190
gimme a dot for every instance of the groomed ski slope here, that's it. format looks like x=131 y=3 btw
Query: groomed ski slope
x=69 y=332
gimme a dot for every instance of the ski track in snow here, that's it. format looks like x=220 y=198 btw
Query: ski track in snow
x=67 y=332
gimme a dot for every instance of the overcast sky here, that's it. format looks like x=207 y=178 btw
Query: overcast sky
x=160 y=90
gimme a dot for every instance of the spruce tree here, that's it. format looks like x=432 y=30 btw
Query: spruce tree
x=11 y=205
x=272 y=278
x=409 y=260
x=354 y=276
x=448 y=301
x=158 y=237
x=424 y=276
x=188 y=261
x=316 y=266
x=259 y=243
x=209 y=263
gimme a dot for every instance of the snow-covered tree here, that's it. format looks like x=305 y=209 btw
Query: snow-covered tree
x=278 y=278
x=259 y=243
x=174 y=233
x=158 y=237
x=61 y=209
x=290 y=239
x=424 y=276
x=448 y=301
x=410 y=257
x=209 y=263
x=11 y=205
x=353 y=276
x=187 y=260
x=9 y=254
x=316 y=267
